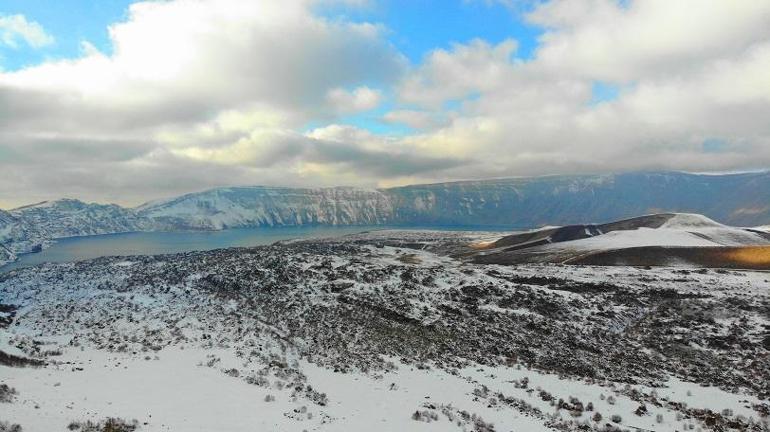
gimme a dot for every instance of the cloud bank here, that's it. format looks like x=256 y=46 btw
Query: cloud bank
x=204 y=93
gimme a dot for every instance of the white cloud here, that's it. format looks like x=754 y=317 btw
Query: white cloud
x=459 y=73
x=625 y=41
x=687 y=73
x=200 y=93
x=15 y=29
x=186 y=79
x=189 y=59
x=360 y=99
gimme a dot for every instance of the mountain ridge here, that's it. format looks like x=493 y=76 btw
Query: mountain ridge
x=523 y=201
x=520 y=202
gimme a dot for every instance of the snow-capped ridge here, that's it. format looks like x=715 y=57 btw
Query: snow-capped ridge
x=690 y=220
x=664 y=229
x=654 y=239
x=271 y=206
x=71 y=203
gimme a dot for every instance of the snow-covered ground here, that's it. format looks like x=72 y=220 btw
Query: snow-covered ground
x=382 y=332
x=175 y=390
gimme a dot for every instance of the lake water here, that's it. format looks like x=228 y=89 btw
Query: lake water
x=154 y=243
x=89 y=247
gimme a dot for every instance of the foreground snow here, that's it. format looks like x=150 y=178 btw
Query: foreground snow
x=368 y=334
x=174 y=391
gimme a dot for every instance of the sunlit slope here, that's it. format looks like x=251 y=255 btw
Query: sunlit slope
x=659 y=239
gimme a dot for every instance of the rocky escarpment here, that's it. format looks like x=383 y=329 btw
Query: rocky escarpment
x=738 y=199
x=735 y=199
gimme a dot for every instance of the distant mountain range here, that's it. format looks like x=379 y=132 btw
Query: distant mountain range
x=734 y=199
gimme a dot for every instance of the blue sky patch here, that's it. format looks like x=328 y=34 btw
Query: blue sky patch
x=416 y=27
x=715 y=145
x=70 y=22
x=603 y=92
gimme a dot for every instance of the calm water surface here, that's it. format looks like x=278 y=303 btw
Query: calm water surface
x=83 y=248
x=154 y=243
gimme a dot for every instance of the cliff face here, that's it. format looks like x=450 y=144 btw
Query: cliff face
x=265 y=206
x=739 y=199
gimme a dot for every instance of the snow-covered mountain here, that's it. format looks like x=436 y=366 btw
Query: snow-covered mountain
x=735 y=199
x=270 y=206
x=7 y=222
x=17 y=237
x=72 y=218
x=32 y=228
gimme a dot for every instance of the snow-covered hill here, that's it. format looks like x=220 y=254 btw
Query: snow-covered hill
x=684 y=234
x=363 y=333
x=71 y=218
x=32 y=228
x=678 y=230
x=17 y=237
x=7 y=223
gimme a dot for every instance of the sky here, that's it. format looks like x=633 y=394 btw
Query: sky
x=122 y=101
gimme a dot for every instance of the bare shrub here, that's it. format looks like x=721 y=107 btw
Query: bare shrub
x=426 y=416
x=7 y=393
x=107 y=425
x=9 y=427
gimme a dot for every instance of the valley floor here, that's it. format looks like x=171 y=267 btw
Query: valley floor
x=381 y=332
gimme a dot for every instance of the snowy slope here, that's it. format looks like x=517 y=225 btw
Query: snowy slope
x=34 y=227
x=681 y=230
x=665 y=229
x=7 y=222
x=71 y=218
x=356 y=334
x=14 y=238
x=658 y=239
